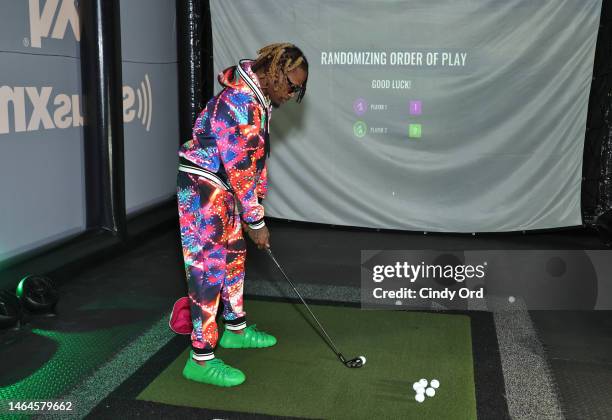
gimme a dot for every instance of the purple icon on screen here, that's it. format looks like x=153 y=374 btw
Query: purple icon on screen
x=415 y=108
x=360 y=106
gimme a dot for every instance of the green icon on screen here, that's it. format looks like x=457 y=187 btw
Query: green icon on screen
x=414 y=131
x=360 y=129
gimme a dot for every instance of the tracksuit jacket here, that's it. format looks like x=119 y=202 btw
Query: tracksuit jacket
x=230 y=141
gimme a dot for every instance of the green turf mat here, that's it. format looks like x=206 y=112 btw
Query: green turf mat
x=301 y=377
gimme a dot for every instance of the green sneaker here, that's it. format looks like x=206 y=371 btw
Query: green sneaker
x=251 y=338
x=214 y=372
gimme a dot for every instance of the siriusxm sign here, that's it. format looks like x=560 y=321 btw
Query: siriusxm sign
x=138 y=103
x=32 y=108
x=52 y=19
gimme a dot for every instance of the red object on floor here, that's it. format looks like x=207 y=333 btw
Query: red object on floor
x=180 y=318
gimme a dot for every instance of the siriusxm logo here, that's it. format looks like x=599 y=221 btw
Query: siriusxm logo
x=144 y=108
x=52 y=20
x=44 y=110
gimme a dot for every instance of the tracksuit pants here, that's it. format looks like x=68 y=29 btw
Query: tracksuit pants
x=214 y=252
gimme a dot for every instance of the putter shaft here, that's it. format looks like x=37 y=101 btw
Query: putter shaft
x=329 y=340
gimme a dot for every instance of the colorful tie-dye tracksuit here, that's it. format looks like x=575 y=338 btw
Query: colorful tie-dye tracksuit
x=221 y=180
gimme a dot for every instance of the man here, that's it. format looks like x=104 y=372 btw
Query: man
x=221 y=180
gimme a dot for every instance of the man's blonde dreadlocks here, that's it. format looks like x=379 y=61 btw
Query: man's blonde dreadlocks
x=284 y=57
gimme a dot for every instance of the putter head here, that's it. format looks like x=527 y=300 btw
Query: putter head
x=357 y=362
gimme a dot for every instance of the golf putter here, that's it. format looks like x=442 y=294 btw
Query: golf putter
x=357 y=362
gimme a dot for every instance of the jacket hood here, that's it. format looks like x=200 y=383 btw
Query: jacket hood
x=243 y=79
x=229 y=78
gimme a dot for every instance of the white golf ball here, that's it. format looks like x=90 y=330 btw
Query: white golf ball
x=434 y=383
x=430 y=392
x=363 y=360
x=423 y=382
x=419 y=397
x=418 y=387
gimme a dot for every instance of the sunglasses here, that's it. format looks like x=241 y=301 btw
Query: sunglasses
x=293 y=88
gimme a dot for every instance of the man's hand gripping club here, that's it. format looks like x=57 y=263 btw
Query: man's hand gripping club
x=261 y=237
